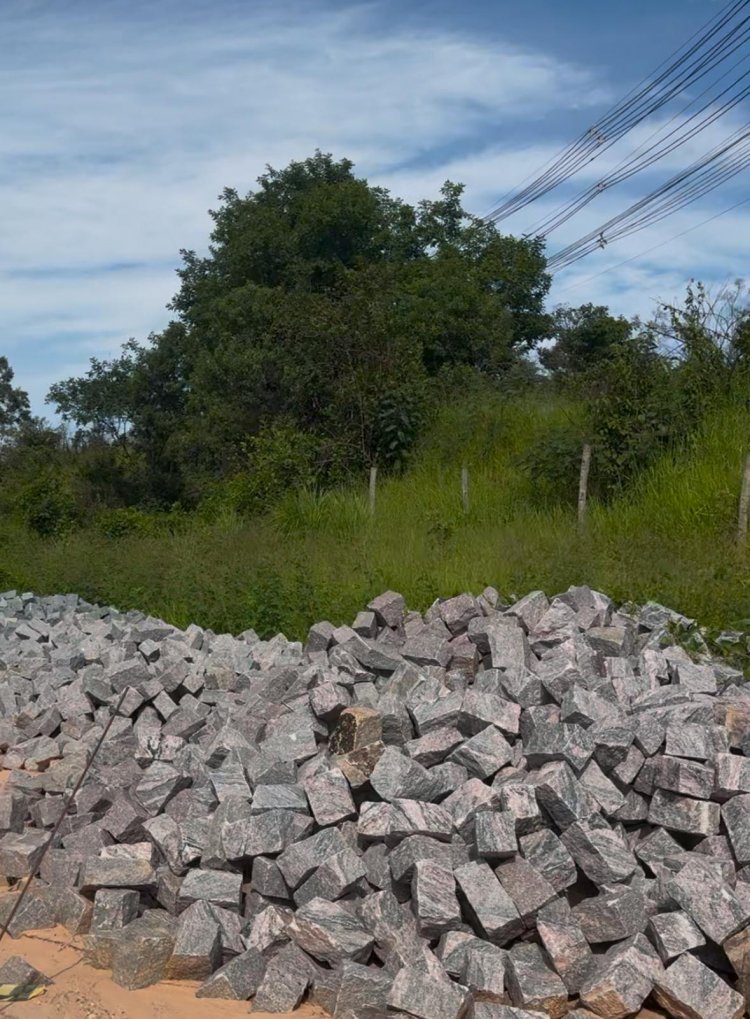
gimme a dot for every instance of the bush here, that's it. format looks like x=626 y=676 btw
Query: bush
x=116 y=523
x=553 y=464
x=48 y=505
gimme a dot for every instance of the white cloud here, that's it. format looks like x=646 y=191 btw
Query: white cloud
x=127 y=120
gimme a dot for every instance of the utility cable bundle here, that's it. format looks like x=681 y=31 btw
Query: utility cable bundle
x=708 y=48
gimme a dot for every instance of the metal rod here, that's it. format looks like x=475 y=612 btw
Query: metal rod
x=66 y=808
x=465 y=488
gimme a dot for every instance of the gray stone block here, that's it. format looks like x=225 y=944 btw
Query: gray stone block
x=484 y=971
x=330 y=932
x=403 y=858
x=434 y=746
x=495 y=835
x=533 y=984
x=467 y=801
x=19 y=973
x=684 y=814
x=411 y=817
x=736 y=817
x=20 y=852
x=544 y=850
x=197 y=947
x=565 y=943
x=114 y=908
x=620 y=981
x=389 y=609
x=220 y=887
x=698 y=742
x=526 y=886
x=673 y=934
x=600 y=852
x=73 y=911
x=559 y=742
x=484 y=754
x=707 y=901
x=614 y=914
x=284 y=983
x=487 y=904
x=418 y=993
x=519 y=799
x=38 y=910
x=300 y=859
x=562 y=795
x=237 y=980
x=140 y=953
x=271 y=832
x=433 y=889
x=688 y=988
x=340 y=873
x=480 y=709
x=329 y=797
x=397 y=776
x=689 y=778
x=118 y=872
x=279 y=797
x=603 y=789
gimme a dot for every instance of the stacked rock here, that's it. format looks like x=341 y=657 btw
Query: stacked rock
x=487 y=810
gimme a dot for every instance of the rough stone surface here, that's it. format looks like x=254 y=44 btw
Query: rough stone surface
x=533 y=984
x=237 y=980
x=434 y=895
x=673 y=934
x=284 y=983
x=690 y=989
x=619 y=981
x=488 y=905
x=330 y=932
x=420 y=994
x=483 y=810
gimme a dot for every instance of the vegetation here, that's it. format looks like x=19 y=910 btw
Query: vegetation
x=217 y=473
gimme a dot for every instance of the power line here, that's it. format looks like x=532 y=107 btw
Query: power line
x=682 y=189
x=647 y=155
x=643 y=100
x=655 y=247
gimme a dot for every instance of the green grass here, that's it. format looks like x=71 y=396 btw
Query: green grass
x=322 y=556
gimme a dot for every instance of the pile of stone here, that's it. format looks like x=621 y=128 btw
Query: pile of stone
x=490 y=810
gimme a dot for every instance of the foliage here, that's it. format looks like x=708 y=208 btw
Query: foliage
x=14 y=402
x=668 y=537
x=48 y=504
x=583 y=337
x=324 y=305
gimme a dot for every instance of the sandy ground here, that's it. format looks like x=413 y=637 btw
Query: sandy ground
x=80 y=992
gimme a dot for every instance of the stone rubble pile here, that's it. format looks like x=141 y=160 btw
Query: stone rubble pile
x=490 y=810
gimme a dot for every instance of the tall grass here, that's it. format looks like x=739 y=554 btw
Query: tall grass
x=318 y=556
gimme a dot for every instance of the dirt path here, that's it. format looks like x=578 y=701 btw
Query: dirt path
x=80 y=992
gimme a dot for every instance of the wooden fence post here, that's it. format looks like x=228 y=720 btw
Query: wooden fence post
x=373 y=483
x=583 y=485
x=744 y=512
x=465 y=488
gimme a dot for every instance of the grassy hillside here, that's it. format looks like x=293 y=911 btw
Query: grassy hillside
x=322 y=556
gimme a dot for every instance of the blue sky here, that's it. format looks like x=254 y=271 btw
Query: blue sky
x=122 y=121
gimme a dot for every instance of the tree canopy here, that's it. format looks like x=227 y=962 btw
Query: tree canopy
x=323 y=306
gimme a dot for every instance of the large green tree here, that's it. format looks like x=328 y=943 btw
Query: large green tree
x=323 y=304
